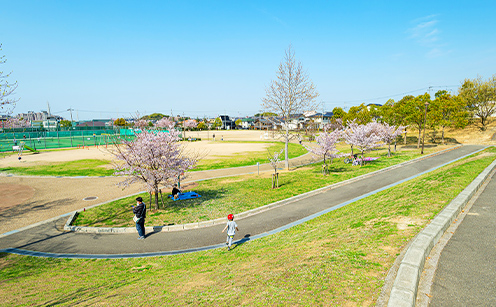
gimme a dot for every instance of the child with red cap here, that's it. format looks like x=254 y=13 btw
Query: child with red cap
x=231 y=230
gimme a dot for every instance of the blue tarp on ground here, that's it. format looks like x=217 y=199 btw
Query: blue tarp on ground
x=187 y=195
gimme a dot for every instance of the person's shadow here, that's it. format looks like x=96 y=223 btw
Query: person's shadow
x=245 y=239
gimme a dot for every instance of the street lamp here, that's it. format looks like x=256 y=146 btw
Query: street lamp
x=423 y=137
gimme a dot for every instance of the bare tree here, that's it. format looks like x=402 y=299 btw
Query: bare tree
x=290 y=94
x=6 y=89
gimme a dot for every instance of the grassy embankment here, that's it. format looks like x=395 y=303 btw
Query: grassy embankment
x=249 y=158
x=94 y=167
x=338 y=259
x=236 y=194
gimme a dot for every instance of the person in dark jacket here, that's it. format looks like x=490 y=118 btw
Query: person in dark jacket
x=140 y=214
x=175 y=191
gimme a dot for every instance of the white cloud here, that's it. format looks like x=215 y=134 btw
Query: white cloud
x=426 y=33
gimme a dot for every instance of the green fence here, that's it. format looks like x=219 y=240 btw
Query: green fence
x=58 y=139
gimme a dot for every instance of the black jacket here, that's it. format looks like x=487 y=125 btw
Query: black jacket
x=140 y=210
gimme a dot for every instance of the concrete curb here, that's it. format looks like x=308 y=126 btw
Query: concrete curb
x=69 y=227
x=404 y=290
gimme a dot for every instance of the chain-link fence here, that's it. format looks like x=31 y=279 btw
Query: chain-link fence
x=35 y=139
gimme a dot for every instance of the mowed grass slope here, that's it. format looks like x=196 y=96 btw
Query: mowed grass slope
x=235 y=194
x=338 y=259
x=249 y=158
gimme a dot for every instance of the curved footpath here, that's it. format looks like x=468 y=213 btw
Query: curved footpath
x=54 y=196
x=48 y=240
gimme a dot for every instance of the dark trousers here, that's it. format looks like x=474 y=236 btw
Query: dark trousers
x=140 y=226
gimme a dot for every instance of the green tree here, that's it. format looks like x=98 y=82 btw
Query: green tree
x=360 y=114
x=217 y=123
x=202 y=126
x=400 y=112
x=448 y=111
x=390 y=114
x=120 y=122
x=416 y=110
x=339 y=113
x=154 y=116
x=386 y=113
x=238 y=122
x=480 y=97
x=65 y=123
x=374 y=111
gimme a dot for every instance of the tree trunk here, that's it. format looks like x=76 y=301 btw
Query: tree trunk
x=442 y=135
x=483 y=122
x=156 y=198
x=389 y=150
x=361 y=160
x=405 y=136
x=420 y=133
x=352 y=150
x=286 y=155
x=324 y=166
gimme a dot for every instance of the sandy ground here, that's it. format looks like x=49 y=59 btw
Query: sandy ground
x=207 y=148
x=27 y=200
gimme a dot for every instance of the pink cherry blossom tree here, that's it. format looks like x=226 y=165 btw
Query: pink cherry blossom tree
x=189 y=124
x=142 y=124
x=388 y=134
x=363 y=137
x=326 y=147
x=165 y=123
x=334 y=124
x=13 y=122
x=153 y=158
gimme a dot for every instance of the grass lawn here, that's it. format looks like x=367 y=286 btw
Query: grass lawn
x=94 y=167
x=338 y=259
x=86 y=167
x=236 y=194
x=249 y=158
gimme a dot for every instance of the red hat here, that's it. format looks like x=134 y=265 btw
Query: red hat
x=230 y=217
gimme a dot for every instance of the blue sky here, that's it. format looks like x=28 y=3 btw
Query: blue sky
x=109 y=59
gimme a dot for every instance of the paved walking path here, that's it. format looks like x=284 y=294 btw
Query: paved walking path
x=55 y=196
x=48 y=237
x=466 y=275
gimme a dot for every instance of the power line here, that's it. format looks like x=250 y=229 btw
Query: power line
x=389 y=96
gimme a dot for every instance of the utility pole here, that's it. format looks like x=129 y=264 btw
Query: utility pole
x=423 y=136
x=70 y=110
x=322 y=117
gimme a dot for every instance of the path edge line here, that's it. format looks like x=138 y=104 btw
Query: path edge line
x=258 y=236
x=180 y=227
